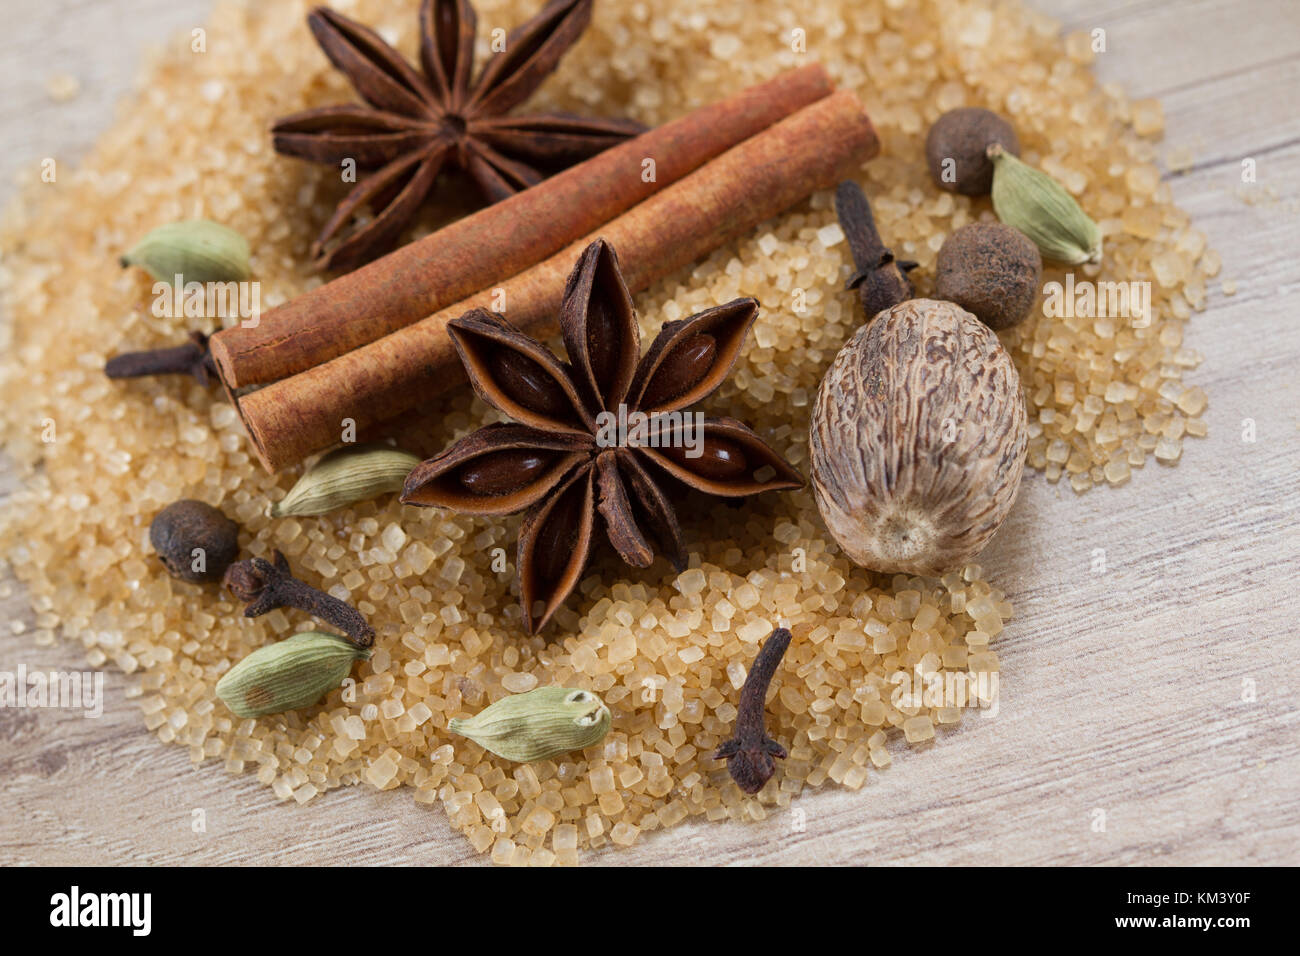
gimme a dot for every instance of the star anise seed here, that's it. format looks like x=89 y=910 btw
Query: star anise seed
x=415 y=122
x=558 y=465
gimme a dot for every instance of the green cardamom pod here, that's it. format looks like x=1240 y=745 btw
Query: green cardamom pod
x=293 y=673
x=345 y=476
x=199 y=250
x=1028 y=199
x=538 y=725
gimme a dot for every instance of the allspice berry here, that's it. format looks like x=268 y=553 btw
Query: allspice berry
x=992 y=271
x=955 y=149
x=918 y=439
x=195 y=541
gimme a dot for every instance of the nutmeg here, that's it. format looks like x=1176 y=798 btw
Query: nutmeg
x=918 y=439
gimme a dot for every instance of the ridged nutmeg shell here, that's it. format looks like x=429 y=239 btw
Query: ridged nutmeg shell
x=918 y=439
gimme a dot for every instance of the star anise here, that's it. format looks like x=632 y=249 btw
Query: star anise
x=564 y=459
x=415 y=124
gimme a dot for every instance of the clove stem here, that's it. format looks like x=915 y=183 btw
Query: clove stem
x=880 y=279
x=266 y=586
x=192 y=358
x=751 y=754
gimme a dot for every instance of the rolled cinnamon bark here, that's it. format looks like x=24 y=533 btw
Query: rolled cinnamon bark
x=501 y=240
x=752 y=181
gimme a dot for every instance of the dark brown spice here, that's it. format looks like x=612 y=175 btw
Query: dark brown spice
x=527 y=383
x=194 y=540
x=576 y=469
x=503 y=472
x=881 y=280
x=414 y=123
x=955 y=149
x=192 y=358
x=266 y=586
x=751 y=754
x=992 y=271
x=691 y=361
x=720 y=461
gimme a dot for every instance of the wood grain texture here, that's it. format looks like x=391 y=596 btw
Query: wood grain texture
x=1121 y=691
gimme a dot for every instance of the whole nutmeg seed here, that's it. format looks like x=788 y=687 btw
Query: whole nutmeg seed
x=195 y=541
x=955 y=149
x=918 y=439
x=992 y=271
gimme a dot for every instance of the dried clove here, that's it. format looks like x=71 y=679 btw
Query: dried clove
x=266 y=586
x=881 y=280
x=751 y=753
x=192 y=358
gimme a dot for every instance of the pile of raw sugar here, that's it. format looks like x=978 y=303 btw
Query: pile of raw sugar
x=667 y=652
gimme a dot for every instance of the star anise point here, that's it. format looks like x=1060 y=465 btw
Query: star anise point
x=414 y=123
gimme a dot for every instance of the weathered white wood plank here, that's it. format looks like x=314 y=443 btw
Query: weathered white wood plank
x=100 y=44
x=1166 y=45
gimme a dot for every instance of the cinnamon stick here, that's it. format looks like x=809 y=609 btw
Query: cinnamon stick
x=752 y=181
x=499 y=241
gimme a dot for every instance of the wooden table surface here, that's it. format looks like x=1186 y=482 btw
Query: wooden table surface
x=1157 y=697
